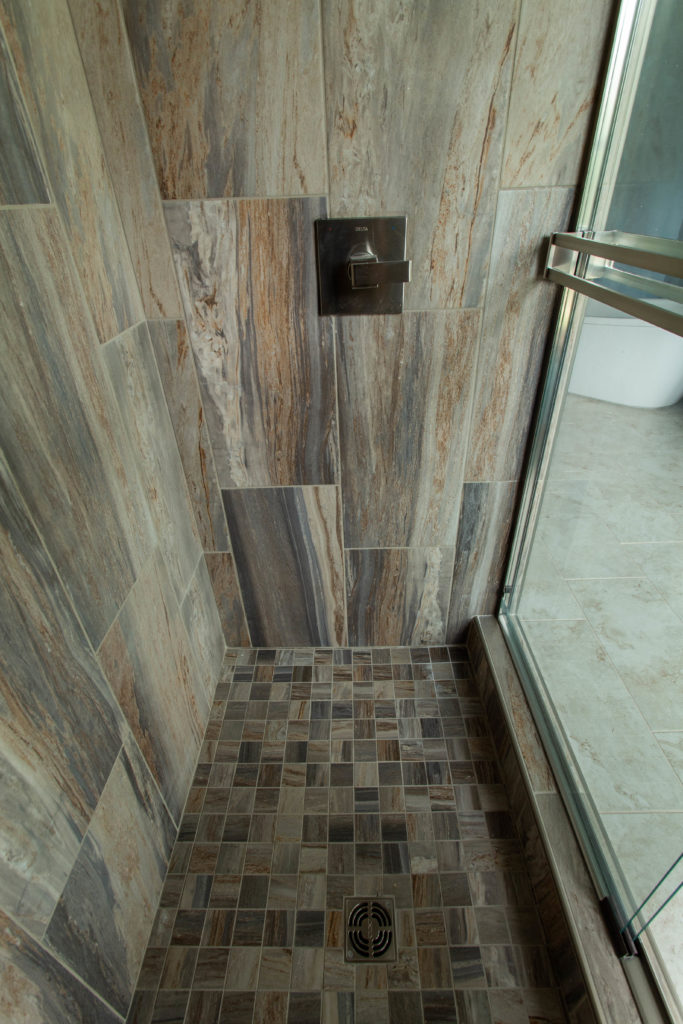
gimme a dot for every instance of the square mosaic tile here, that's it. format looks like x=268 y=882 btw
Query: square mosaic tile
x=331 y=775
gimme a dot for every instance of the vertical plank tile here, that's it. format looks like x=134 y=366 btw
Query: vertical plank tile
x=398 y=597
x=103 y=44
x=204 y=629
x=264 y=357
x=135 y=380
x=226 y=589
x=181 y=389
x=287 y=547
x=102 y=921
x=486 y=521
x=554 y=90
x=56 y=93
x=405 y=387
x=233 y=96
x=517 y=316
x=151 y=669
x=22 y=178
x=59 y=730
x=60 y=425
x=416 y=97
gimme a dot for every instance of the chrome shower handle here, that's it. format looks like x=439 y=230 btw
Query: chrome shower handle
x=371 y=273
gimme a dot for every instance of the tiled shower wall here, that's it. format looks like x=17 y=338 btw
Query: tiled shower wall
x=110 y=639
x=369 y=466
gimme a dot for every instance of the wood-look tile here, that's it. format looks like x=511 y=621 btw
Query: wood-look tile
x=416 y=99
x=226 y=590
x=264 y=357
x=405 y=387
x=60 y=425
x=291 y=538
x=514 y=334
x=60 y=728
x=554 y=90
x=37 y=987
x=398 y=596
x=232 y=95
x=179 y=380
x=486 y=521
x=204 y=629
x=135 y=380
x=114 y=887
x=58 y=101
x=103 y=44
x=149 y=663
x=22 y=178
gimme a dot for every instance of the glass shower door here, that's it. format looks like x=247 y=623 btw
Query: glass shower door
x=593 y=605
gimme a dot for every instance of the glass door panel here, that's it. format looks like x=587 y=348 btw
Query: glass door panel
x=593 y=605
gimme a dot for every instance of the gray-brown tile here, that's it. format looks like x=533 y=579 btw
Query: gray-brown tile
x=58 y=101
x=60 y=728
x=240 y=114
x=226 y=590
x=264 y=357
x=204 y=629
x=179 y=380
x=103 y=44
x=22 y=178
x=35 y=986
x=287 y=548
x=416 y=99
x=398 y=596
x=135 y=379
x=405 y=387
x=60 y=424
x=554 y=90
x=514 y=334
x=102 y=921
x=149 y=663
x=486 y=521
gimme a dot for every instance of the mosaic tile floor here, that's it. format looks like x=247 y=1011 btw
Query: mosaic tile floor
x=329 y=774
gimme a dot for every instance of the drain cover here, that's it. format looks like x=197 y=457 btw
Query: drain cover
x=369 y=929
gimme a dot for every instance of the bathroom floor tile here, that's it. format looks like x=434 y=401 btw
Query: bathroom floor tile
x=333 y=774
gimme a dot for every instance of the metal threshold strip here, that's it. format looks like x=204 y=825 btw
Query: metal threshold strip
x=586 y=261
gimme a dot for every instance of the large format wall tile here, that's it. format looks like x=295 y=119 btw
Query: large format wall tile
x=57 y=97
x=135 y=379
x=288 y=552
x=233 y=95
x=35 y=987
x=486 y=521
x=226 y=590
x=517 y=317
x=59 y=730
x=179 y=380
x=101 y=924
x=416 y=99
x=264 y=357
x=22 y=178
x=398 y=596
x=405 y=386
x=148 y=661
x=60 y=426
x=102 y=40
x=554 y=86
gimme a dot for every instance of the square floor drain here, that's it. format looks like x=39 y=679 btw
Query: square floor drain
x=369 y=929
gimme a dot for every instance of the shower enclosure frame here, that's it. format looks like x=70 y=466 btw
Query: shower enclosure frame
x=621 y=81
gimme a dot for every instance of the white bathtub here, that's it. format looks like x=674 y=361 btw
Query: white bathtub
x=629 y=362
